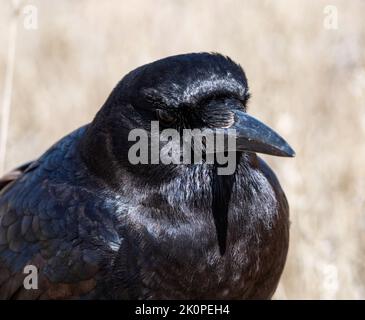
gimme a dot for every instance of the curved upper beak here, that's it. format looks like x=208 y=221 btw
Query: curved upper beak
x=254 y=136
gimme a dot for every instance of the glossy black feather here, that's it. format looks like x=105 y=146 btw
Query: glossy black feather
x=222 y=186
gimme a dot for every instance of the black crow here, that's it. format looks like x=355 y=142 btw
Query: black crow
x=93 y=225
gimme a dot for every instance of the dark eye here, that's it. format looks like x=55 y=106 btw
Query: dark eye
x=167 y=118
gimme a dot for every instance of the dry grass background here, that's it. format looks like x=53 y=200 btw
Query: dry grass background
x=307 y=82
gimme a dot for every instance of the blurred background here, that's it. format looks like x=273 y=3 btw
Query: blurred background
x=305 y=62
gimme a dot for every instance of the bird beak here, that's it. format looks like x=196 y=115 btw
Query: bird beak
x=254 y=136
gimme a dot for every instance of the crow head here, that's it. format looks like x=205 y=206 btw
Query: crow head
x=190 y=91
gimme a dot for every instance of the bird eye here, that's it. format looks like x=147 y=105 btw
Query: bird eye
x=165 y=117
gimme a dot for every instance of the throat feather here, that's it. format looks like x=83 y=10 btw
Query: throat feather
x=222 y=186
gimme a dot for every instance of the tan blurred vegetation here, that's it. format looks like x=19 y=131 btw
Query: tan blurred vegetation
x=307 y=82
